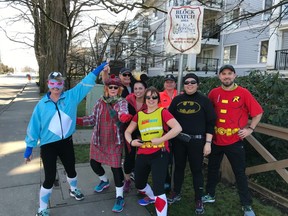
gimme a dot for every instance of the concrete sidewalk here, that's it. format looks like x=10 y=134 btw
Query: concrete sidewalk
x=20 y=183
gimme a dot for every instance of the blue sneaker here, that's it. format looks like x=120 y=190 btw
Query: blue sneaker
x=208 y=199
x=118 y=206
x=248 y=211
x=76 y=194
x=44 y=212
x=103 y=185
x=146 y=201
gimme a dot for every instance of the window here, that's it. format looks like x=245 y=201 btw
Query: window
x=264 y=51
x=230 y=53
x=267 y=4
x=231 y=17
x=153 y=37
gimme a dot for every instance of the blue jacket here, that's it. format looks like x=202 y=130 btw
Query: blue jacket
x=51 y=121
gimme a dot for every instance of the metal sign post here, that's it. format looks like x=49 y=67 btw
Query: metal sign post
x=180 y=73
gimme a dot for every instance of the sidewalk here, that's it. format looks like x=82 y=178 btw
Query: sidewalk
x=20 y=183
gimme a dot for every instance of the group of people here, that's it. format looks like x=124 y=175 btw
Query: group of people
x=150 y=127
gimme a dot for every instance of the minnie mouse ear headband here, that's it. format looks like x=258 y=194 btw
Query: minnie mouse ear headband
x=113 y=80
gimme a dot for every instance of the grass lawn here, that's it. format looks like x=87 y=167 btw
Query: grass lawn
x=227 y=199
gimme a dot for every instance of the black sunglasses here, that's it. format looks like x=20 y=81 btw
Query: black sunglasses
x=191 y=82
x=149 y=97
x=126 y=74
x=113 y=87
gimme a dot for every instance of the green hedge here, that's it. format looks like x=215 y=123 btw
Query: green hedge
x=271 y=90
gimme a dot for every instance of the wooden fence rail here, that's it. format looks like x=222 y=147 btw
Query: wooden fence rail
x=272 y=162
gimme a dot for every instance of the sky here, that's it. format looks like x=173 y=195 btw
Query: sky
x=17 y=55
x=14 y=54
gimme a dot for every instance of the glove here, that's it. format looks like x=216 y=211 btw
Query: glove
x=79 y=121
x=97 y=70
x=28 y=152
x=125 y=118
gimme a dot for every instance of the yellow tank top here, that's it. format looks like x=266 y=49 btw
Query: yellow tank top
x=150 y=126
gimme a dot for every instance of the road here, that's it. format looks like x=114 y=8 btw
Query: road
x=10 y=86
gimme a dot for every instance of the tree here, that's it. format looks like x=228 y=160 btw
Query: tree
x=5 y=69
x=59 y=23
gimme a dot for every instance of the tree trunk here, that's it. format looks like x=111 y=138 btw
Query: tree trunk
x=50 y=38
x=56 y=41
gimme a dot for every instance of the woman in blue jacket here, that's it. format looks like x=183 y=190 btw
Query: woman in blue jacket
x=51 y=126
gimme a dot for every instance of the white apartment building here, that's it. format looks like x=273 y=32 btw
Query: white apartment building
x=232 y=33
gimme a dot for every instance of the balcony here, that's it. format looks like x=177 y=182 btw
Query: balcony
x=213 y=3
x=207 y=64
x=281 y=60
x=211 y=32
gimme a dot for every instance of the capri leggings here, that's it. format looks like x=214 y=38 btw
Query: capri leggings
x=157 y=163
x=49 y=152
x=117 y=172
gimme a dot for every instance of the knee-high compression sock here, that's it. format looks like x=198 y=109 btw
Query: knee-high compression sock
x=148 y=191
x=161 y=205
x=72 y=183
x=44 y=197
x=103 y=178
x=119 y=191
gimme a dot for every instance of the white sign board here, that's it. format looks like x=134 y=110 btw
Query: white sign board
x=184 y=29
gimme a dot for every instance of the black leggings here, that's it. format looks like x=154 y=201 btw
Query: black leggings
x=49 y=152
x=117 y=172
x=129 y=162
x=194 y=152
x=157 y=163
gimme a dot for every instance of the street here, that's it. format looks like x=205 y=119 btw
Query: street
x=10 y=86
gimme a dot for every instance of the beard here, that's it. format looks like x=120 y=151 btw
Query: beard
x=228 y=83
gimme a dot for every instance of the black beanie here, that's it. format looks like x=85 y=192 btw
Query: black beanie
x=191 y=75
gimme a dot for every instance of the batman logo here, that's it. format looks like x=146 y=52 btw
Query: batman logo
x=188 y=107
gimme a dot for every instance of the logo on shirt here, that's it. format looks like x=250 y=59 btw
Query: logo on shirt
x=188 y=107
x=236 y=98
x=146 y=121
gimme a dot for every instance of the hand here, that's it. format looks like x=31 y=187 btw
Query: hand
x=97 y=70
x=207 y=149
x=137 y=143
x=79 y=121
x=106 y=69
x=243 y=133
x=156 y=141
x=28 y=154
x=125 y=118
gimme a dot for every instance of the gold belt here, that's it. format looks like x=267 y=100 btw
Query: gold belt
x=150 y=145
x=226 y=131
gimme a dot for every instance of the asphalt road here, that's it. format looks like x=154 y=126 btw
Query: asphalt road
x=10 y=86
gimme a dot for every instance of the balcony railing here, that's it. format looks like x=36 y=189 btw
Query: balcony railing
x=207 y=64
x=213 y=3
x=281 y=60
x=211 y=31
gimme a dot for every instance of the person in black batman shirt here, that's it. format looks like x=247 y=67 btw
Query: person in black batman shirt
x=195 y=113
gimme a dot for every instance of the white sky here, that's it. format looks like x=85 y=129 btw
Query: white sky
x=13 y=54
x=18 y=55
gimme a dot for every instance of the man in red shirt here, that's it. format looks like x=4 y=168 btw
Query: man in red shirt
x=233 y=105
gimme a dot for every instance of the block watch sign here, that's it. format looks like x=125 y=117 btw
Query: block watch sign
x=184 y=29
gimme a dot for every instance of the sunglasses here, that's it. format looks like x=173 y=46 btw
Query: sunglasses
x=191 y=82
x=113 y=87
x=149 y=97
x=127 y=74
